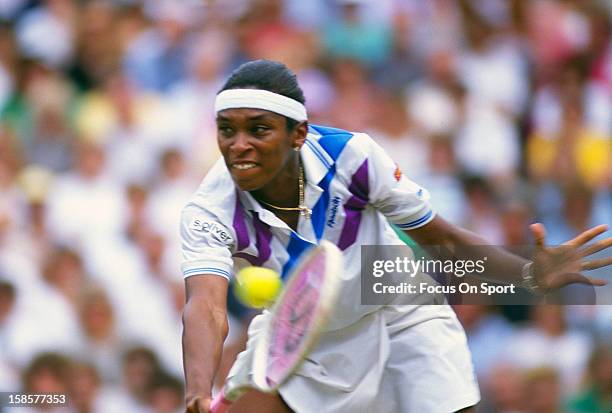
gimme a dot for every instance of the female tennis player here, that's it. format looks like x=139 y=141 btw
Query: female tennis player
x=284 y=185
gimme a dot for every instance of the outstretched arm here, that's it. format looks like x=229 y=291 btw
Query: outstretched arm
x=551 y=268
x=204 y=330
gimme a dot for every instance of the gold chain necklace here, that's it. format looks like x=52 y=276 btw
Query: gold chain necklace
x=304 y=210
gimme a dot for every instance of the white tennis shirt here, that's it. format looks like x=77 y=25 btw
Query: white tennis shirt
x=354 y=190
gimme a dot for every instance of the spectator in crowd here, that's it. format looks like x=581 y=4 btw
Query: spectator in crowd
x=549 y=343
x=502 y=391
x=165 y=394
x=7 y=304
x=157 y=58
x=353 y=90
x=64 y=271
x=47 y=32
x=47 y=373
x=140 y=368
x=597 y=394
x=7 y=293
x=172 y=190
x=34 y=182
x=352 y=37
x=84 y=204
x=84 y=387
x=100 y=337
x=542 y=391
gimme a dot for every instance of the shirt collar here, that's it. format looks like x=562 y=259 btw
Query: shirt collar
x=252 y=206
x=249 y=203
x=315 y=159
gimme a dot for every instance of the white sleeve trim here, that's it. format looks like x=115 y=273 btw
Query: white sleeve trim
x=425 y=218
x=206 y=271
x=214 y=266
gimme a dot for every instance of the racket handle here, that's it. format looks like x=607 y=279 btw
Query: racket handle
x=220 y=404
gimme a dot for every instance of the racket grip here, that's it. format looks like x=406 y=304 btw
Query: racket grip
x=220 y=404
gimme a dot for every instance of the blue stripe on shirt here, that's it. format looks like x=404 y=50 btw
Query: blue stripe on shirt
x=333 y=141
x=295 y=249
x=317 y=153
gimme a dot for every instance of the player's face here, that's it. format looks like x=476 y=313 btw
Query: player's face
x=256 y=145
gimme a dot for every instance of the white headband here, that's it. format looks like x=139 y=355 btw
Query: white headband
x=260 y=99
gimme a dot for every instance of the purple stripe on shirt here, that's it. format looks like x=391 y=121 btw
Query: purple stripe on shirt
x=263 y=237
x=240 y=227
x=360 y=189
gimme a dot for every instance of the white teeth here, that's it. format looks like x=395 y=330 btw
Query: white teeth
x=244 y=165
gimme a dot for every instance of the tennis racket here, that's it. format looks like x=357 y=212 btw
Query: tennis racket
x=297 y=319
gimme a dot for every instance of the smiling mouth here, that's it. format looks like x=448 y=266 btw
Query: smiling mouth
x=244 y=166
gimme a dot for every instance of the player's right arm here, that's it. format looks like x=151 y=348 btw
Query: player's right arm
x=207 y=266
x=204 y=330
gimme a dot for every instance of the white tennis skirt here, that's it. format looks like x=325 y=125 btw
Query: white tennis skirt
x=408 y=359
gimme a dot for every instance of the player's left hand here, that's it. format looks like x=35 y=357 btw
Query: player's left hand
x=556 y=267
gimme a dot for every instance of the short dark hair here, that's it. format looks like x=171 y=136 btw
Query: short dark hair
x=141 y=352
x=7 y=290
x=56 y=364
x=267 y=75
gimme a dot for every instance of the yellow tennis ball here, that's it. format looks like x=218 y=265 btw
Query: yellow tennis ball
x=257 y=287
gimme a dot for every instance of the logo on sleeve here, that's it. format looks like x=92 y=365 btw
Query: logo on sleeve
x=398 y=173
x=217 y=231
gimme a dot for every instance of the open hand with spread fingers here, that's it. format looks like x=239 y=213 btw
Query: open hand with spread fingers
x=555 y=267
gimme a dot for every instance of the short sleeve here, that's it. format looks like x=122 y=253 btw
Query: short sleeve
x=401 y=200
x=206 y=244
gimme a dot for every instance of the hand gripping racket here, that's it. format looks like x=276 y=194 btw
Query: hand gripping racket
x=297 y=318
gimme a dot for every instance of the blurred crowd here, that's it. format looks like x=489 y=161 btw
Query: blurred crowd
x=501 y=108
